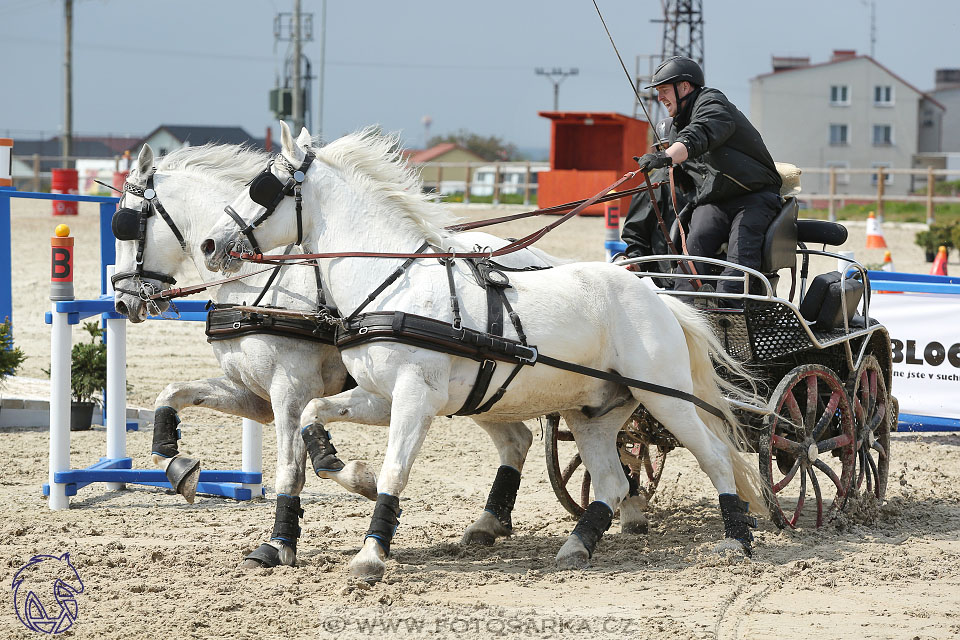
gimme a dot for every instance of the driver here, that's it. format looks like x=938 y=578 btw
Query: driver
x=735 y=184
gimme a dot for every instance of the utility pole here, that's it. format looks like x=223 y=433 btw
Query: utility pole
x=297 y=103
x=67 y=137
x=873 y=26
x=323 y=46
x=556 y=76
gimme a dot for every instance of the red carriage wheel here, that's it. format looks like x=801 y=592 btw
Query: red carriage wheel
x=873 y=412
x=569 y=477
x=807 y=455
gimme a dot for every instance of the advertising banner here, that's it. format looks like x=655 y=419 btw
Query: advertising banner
x=925 y=338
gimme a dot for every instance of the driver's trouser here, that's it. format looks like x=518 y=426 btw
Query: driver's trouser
x=740 y=222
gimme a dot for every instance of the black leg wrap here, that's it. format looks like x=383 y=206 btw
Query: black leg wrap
x=503 y=495
x=736 y=522
x=286 y=527
x=386 y=517
x=179 y=468
x=165 y=432
x=592 y=524
x=322 y=452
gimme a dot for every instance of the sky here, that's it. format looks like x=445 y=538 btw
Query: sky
x=467 y=65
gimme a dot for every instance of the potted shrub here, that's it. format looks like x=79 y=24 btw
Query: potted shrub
x=88 y=375
x=939 y=234
x=10 y=357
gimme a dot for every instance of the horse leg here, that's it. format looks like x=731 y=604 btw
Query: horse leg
x=512 y=440
x=713 y=456
x=355 y=405
x=416 y=403
x=597 y=442
x=220 y=394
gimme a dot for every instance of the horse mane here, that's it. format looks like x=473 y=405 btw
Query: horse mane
x=227 y=162
x=377 y=164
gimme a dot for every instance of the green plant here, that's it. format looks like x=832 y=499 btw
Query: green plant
x=10 y=357
x=88 y=374
x=941 y=234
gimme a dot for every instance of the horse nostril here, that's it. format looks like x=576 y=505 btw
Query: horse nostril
x=207 y=246
x=121 y=308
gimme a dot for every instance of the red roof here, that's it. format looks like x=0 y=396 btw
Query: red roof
x=426 y=155
x=847 y=59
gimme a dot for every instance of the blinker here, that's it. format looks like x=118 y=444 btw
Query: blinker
x=265 y=189
x=126 y=224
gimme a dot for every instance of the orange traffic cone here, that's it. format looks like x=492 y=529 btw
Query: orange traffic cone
x=939 y=267
x=887 y=262
x=874 y=233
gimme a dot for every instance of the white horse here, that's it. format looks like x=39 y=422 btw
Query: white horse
x=359 y=196
x=263 y=374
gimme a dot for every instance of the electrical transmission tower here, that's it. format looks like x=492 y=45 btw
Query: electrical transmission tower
x=683 y=29
x=682 y=36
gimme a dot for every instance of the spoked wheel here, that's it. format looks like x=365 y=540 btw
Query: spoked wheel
x=566 y=471
x=570 y=479
x=810 y=441
x=873 y=411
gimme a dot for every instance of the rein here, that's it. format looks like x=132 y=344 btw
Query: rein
x=514 y=246
x=467 y=226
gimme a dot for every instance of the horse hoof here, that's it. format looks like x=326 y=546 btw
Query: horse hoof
x=573 y=555
x=184 y=474
x=269 y=556
x=356 y=477
x=478 y=538
x=369 y=570
x=732 y=549
x=637 y=527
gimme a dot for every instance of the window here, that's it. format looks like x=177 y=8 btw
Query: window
x=887 y=178
x=842 y=177
x=882 y=135
x=838 y=134
x=840 y=95
x=883 y=96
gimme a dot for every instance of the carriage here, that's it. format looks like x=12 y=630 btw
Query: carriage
x=821 y=427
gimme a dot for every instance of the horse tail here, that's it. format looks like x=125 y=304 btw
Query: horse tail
x=706 y=351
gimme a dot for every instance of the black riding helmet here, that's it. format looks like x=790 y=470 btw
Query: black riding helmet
x=676 y=70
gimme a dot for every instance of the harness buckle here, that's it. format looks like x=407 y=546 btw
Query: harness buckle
x=532 y=359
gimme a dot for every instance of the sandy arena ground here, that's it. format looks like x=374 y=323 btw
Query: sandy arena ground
x=153 y=566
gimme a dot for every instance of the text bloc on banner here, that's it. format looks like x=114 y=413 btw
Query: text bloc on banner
x=926 y=350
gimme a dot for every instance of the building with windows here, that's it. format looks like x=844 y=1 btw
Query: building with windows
x=850 y=112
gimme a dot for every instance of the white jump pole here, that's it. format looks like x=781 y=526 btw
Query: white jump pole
x=116 y=417
x=251 y=453
x=61 y=288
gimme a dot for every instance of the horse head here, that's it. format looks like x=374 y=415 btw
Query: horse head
x=139 y=271
x=40 y=583
x=239 y=228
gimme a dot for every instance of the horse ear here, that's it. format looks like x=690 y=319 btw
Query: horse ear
x=286 y=138
x=304 y=138
x=145 y=159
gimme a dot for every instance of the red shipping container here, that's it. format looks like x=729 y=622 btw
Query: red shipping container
x=590 y=151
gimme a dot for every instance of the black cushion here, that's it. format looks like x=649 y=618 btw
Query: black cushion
x=821 y=232
x=822 y=303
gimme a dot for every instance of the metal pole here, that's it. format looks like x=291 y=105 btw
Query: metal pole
x=251 y=453
x=323 y=46
x=67 y=140
x=832 y=203
x=297 y=104
x=930 y=187
x=556 y=95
